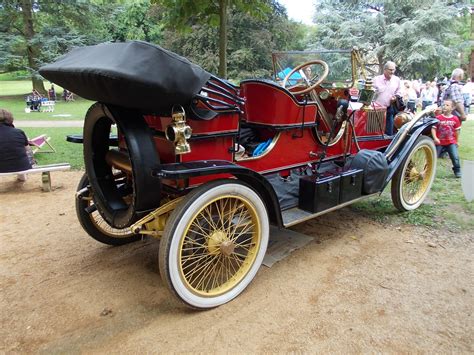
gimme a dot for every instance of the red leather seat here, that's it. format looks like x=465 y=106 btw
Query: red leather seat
x=267 y=103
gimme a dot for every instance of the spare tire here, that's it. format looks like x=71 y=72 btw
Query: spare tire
x=120 y=201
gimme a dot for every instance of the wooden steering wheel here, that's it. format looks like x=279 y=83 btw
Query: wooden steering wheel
x=308 y=81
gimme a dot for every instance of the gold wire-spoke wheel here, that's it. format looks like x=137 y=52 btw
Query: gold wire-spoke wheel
x=214 y=243
x=219 y=246
x=413 y=179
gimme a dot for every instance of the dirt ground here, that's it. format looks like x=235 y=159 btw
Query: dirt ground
x=359 y=286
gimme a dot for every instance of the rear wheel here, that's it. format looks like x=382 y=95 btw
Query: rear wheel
x=413 y=179
x=214 y=243
x=93 y=223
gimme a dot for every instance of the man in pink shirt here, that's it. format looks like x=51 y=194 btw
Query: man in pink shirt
x=387 y=87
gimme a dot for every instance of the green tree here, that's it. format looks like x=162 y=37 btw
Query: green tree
x=421 y=36
x=138 y=20
x=33 y=32
x=183 y=14
x=250 y=42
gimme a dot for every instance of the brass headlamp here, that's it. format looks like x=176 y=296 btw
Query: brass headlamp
x=401 y=119
x=179 y=132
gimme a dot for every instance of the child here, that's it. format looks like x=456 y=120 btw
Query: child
x=446 y=134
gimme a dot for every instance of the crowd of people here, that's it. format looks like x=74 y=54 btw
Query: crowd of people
x=35 y=99
x=453 y=96
x=418 y=95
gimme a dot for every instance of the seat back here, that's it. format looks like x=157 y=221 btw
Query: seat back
x=267 y=103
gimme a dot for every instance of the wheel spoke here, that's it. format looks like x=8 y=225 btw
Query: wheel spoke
x=229 y=260
x=239 y=224
x=417 y=175
x=204 y=233
x=210 y=277
x=196 y=272
x=209 y=220
x=198 y=260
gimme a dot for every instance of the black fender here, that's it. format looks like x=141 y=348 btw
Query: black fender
x=212 y=167
x=423 y=127
x=143 y=157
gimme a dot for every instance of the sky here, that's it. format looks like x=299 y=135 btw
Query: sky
x=299 y=10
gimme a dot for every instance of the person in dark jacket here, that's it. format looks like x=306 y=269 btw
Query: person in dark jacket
x=13 y=146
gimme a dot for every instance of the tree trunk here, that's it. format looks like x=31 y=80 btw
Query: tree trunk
x=31 y=50
x=223 y=5
x=381 y=63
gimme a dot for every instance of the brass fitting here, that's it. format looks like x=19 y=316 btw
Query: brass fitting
x=402 y=118
x=367 y=93
x=179 y=132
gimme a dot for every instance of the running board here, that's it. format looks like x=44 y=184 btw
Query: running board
x=295 y=215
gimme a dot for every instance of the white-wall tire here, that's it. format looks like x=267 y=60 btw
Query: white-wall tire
x=214 y=243
x=413 y=179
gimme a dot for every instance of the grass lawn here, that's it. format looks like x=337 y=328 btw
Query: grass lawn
x=75 y=110
x=12 y=98
x=9 y=86
x=445 y=206
x=66 y=152
x=15 y=87
x=17 y=75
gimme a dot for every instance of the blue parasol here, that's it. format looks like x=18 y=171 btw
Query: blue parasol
x=293 y=80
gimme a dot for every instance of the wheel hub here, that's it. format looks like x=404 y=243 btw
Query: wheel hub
x=227 y=247
x=219 y=243
x=415 y=175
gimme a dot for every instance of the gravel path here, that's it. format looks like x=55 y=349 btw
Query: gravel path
x=357 y=287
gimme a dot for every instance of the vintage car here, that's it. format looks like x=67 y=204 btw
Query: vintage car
x=207 y=166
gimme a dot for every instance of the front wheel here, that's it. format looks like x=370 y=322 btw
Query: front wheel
x=413 y=179
x=214 y=243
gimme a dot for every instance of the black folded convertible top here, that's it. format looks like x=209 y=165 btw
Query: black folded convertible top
x=131 y=74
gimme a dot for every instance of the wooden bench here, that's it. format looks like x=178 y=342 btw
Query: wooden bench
x=45 y=171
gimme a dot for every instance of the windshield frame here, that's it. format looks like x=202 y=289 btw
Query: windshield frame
x=352 y=56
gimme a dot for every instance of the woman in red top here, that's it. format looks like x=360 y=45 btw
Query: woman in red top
x=446 y=133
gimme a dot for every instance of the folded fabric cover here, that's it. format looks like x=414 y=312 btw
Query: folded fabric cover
x=131 y=74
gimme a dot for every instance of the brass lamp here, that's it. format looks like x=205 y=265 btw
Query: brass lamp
x=179 y=132
x=367 y=93
x=401 y=119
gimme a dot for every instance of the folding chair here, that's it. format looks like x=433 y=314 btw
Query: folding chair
x=39 y=142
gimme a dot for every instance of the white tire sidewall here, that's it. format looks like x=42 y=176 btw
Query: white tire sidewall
x=173 y=261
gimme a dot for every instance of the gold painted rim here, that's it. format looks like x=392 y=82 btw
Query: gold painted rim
x=417 y=175
x=105 y=228
x=219 y=246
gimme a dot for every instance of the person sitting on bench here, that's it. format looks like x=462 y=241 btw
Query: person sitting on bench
x=13 y=147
